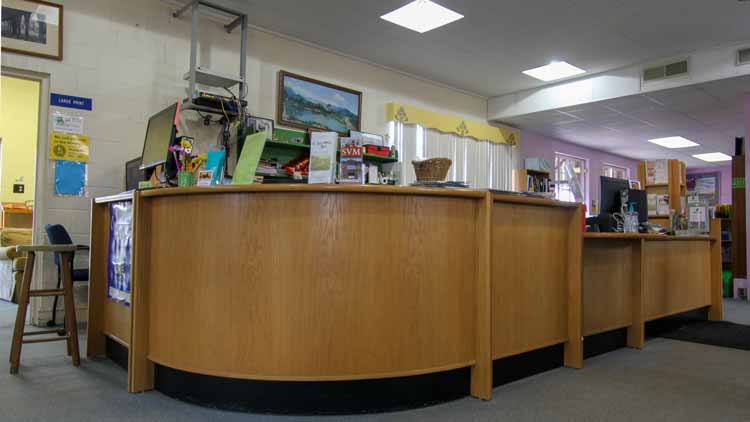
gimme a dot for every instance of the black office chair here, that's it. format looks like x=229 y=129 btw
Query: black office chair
x=57 y=235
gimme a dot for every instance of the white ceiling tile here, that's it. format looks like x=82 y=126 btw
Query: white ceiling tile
x=486 y=51
x=712 y=123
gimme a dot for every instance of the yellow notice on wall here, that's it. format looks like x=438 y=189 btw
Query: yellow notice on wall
x=67 y=146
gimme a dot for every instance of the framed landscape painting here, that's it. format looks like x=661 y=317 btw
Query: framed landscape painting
x=309 y=104
x=32 y=27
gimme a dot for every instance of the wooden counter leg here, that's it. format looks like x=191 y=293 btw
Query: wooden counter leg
x=574 y=346
x=716 y=311
x=98 y=258
x=140 y=369
x=481 y=372
x=636 y=332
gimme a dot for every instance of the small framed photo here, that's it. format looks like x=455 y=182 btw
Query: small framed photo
x=33 y=27
x=205 y=177
x=368 y=138
x=635 y=184
x=260 y=124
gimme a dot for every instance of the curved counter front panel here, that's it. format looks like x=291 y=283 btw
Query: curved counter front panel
x=310 y=286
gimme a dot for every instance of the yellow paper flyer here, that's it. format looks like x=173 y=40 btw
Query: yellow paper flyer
x=67 y=146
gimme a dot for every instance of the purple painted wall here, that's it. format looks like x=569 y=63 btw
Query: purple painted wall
x=725 y=180
x=536 y=145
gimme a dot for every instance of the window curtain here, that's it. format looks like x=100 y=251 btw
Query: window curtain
x=481 y=164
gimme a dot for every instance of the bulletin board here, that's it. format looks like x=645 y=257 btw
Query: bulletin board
x=704 y=187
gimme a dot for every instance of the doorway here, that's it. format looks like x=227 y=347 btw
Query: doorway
x=19 y=139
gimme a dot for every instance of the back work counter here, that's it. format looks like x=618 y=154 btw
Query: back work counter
x=278 y=287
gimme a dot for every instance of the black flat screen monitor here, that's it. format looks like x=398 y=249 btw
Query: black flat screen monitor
x=609 y=194
x=134 y=174
x=641 y=203
x=160 y=134
x=609 y=197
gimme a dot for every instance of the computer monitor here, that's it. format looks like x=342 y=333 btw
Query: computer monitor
x=609 y=194
x=134 y=174
x=160 y=134
x=640 y=198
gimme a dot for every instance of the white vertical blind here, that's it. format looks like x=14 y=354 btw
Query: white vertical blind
x=481 y=164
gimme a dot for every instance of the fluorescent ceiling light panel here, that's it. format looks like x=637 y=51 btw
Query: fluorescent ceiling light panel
x=422 y=16
x=554 y=71
x=713 y=157
x=673 y=142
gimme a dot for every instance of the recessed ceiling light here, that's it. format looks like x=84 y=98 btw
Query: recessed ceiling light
x=674 y=142
x=553 y=71
x=713 y=157
x=422 y=16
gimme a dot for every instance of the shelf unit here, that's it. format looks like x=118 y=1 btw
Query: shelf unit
x=727 y=251
x=291 y=150
x=521 y=177
x=202 y=75
x=739 y=223
x=675 y=188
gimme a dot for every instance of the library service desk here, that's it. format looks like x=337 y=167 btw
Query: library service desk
x=339 y=299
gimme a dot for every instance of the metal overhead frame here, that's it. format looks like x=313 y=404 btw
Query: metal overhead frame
x=198 y=74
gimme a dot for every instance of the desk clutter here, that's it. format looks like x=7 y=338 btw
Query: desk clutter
x=262 y=153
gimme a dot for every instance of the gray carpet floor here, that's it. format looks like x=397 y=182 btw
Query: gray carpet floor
x=667 y=381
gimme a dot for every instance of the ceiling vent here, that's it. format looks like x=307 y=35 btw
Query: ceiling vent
x=665 y=71
x=743 y=56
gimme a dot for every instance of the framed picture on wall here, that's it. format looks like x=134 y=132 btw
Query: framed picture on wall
x=704 y=188
x=307 y=103
x=33 y=27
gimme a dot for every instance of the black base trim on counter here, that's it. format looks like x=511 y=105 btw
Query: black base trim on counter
x=117 y=352
x=668 y=324
x=314 y=397
x=514 y=368
x=606 y=342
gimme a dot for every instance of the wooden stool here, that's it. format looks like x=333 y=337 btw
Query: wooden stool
x=71 y=329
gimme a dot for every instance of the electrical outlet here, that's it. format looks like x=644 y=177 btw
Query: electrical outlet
x=18 y=188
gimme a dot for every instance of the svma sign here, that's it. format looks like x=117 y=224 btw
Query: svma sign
x=59 y=100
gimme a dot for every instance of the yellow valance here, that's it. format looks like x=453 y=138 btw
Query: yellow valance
x=450 y=124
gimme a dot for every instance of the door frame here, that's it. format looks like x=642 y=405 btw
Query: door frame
x=37 y=235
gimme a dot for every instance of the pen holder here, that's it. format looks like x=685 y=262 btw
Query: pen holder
x=185 y=179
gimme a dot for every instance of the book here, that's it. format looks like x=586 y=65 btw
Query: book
x=350 y=164
x=322 y=157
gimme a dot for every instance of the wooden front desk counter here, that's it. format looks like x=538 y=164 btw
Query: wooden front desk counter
x=335 y=282
x=630 y=279
x=338 y=283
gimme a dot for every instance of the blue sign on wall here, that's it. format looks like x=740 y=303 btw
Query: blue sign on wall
x=59 y=100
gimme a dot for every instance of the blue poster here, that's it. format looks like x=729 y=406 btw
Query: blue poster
x=70 y=177
x=120 y=243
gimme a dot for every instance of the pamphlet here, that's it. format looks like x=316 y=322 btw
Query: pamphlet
x=351 y=161
x=652 y=201
x=322 y=157
x=244 y=173
x=657 y=172
x=662 y=205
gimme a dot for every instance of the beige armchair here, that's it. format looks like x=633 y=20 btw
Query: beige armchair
x=12 y=262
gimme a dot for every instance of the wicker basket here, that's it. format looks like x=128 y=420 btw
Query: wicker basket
x=432 y=170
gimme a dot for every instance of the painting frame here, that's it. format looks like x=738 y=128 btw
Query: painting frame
x=19 y=49
x=280 y=103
